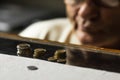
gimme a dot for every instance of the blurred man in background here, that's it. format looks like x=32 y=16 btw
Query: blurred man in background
x=91 y=22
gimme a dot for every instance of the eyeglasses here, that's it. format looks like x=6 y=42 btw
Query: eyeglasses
x=105 y=3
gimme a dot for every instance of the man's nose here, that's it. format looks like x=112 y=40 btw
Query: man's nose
x=88 y=10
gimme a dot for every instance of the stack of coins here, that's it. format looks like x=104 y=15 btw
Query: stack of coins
x=24 y=50
x=39 y=53
x=59 y=56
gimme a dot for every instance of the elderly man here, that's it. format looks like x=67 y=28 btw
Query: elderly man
x=91 y=22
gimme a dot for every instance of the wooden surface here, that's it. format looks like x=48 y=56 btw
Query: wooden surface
x=95 y=49
x=16 y=68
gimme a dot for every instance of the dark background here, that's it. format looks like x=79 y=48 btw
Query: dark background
x=15 y=15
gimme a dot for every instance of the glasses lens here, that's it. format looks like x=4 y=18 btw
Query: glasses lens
x=110 y=3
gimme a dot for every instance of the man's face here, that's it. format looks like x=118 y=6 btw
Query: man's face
x=95 y=23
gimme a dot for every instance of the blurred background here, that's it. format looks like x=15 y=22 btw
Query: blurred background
x=16 y=15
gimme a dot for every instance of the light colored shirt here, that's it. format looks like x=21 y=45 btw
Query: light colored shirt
x=59 y=30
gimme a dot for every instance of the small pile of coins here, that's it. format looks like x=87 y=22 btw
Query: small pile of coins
x=24 y=50
x=39 y=53
x=59 y=56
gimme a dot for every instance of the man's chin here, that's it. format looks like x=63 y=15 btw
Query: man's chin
x=99 y=42
x=87 y=39
x=89 y=42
